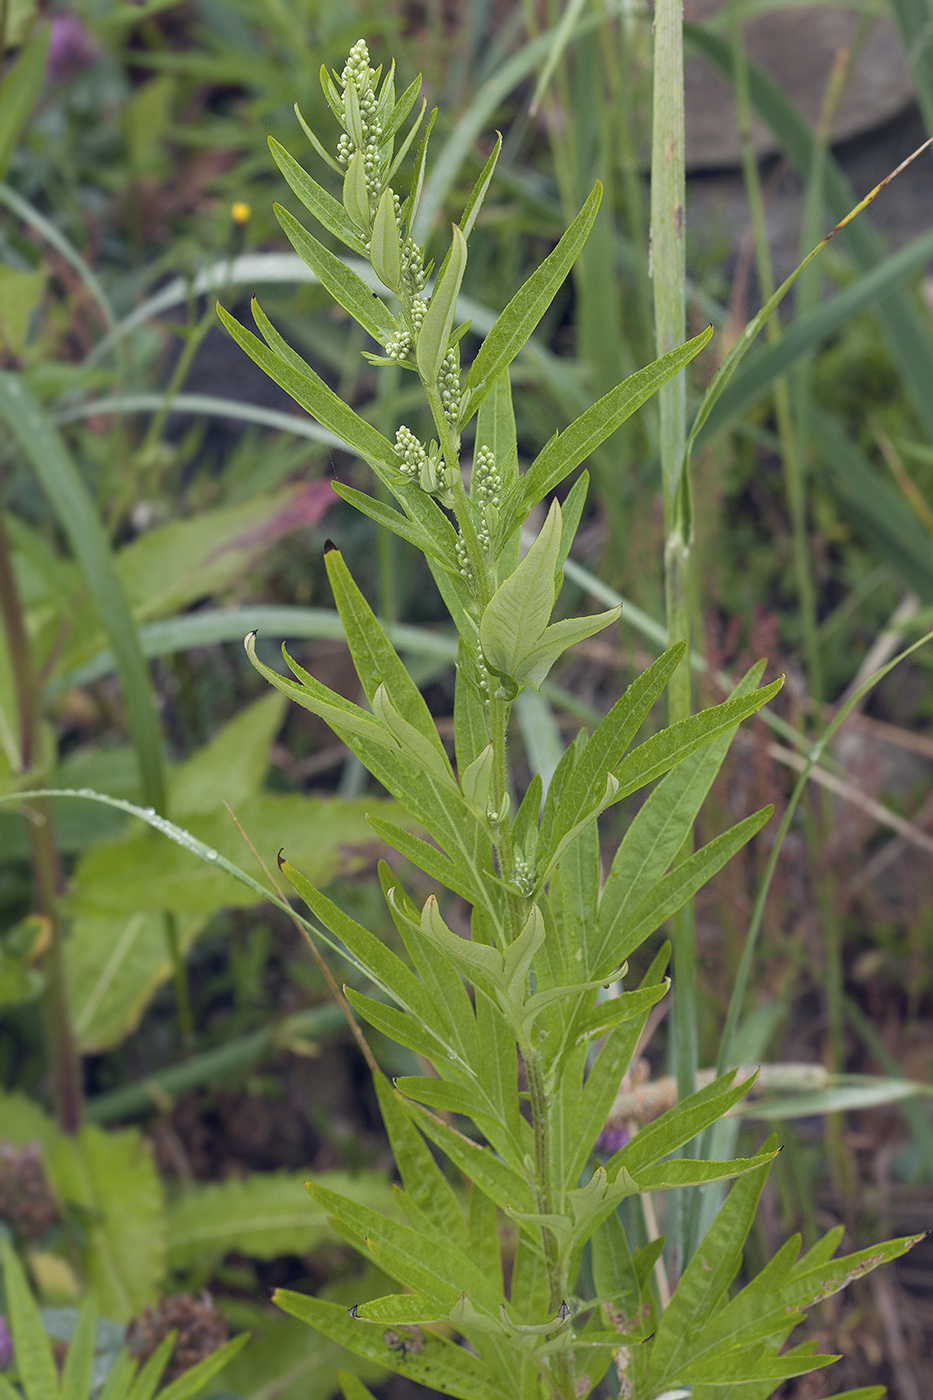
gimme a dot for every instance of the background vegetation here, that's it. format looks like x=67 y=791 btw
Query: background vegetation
x=161 y=499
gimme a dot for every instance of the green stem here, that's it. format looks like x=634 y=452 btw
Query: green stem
x=499 y=710
x=386 y=542
x=46 y=867
x=557 y=1279
x=668 y=192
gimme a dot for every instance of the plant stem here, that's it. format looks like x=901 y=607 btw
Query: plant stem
x=46 y=867
x=557 y=1281
x=668 y=193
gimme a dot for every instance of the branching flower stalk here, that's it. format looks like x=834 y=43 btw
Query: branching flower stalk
x=545 y=937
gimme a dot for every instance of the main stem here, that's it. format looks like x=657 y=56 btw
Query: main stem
x=557 y=1281
x=498 y=713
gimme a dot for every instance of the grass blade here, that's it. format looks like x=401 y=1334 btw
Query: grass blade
x=79 y=521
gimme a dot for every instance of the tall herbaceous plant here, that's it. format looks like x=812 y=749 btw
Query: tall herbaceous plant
x=516 y=1276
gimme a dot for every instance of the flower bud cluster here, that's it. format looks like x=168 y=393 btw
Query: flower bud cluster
x=358 y=73
x=463 y=560
x=414 y=458
x=402 y=344
x=426 y=468
x=448 y=381
x=413 y=274
x=523 y=876
x=485 y=493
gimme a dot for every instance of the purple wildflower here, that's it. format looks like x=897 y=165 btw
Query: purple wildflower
x=71 y=48
x=610 y=1140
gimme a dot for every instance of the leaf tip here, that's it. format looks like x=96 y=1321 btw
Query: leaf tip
x=280 y=858
x=329 y=547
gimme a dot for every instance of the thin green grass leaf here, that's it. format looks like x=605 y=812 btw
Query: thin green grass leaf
x=79 y=520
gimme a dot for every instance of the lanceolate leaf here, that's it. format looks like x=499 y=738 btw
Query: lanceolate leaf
x=345 y=286
x=316 y=200
x=705 y=1281
x=75 y=510
x=434 y=1265
x=475 y=203
x=424 y=1182
x=439 y=317
x=392 y=520
x=197 y=1377
x=340 y=714
x=384 y=966
x=659 y=754
x=519 y=611
x=566 y=450
x=376 y=660
x=385 y=246
x=310 y=391
x=682 y=1123
x=659 y=828
x=619 y=937
x=584 y=765
x=682 y=1171
x=34 y=1359
x=515 y=324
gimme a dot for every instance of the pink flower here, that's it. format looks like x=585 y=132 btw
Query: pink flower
x=71 y=48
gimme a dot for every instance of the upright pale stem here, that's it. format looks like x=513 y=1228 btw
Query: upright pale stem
x=668 y=270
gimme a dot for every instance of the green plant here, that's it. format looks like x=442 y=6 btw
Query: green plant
x=518 y=1001
x=36 y=1376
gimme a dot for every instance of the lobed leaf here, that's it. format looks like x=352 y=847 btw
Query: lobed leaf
x=440 y=1364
